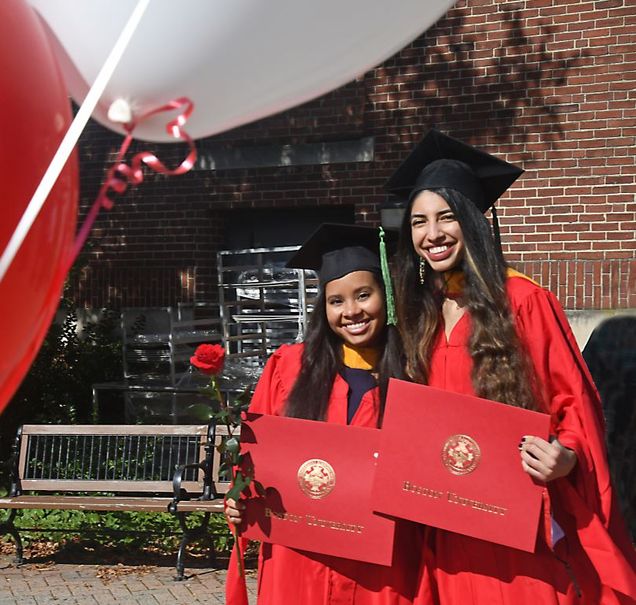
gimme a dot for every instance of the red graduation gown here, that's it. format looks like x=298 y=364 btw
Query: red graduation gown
x=595 y=547
x=292 y=577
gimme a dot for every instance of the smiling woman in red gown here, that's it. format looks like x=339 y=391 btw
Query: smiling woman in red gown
x=472 y=325
x=338 y=375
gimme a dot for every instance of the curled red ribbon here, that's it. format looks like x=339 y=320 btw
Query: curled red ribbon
x=120 y=175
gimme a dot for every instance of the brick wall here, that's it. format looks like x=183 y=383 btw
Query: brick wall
x=548 y=85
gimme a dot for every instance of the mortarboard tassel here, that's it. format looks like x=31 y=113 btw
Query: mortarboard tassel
x=391 y=319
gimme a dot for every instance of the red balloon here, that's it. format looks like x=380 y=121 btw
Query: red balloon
x=35 y=113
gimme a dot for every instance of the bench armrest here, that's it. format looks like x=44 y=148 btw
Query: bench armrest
x=205 y=465
x=178 y=492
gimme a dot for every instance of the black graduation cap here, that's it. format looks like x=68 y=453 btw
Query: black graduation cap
x=334 y=250
x=441 y=161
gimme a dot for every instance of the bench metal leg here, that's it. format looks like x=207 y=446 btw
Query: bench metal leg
x=184 y=542
x=190 y=535
x=8 y=527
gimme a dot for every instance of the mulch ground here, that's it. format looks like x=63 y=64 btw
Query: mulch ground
x=90 y=552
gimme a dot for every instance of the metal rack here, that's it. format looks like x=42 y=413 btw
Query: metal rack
x=157 y=343
x=262 y=304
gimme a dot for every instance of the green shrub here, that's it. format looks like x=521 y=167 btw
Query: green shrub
x=135 y=530
x=58 y=387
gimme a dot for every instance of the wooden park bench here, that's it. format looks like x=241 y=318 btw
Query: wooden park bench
x=140 y=468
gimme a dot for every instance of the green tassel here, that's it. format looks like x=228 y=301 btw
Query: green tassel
x=391 y=318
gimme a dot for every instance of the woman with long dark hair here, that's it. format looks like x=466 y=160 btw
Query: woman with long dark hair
x=339 y=375
x=470 y=324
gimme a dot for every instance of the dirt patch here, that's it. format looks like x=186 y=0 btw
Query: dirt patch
x=90 y=552
x=108 y=573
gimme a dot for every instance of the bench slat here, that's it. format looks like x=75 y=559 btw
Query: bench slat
x=204 y=506
x=86 y=503
x=117 y=429
x=62 y=485
x=109 y=503
x=120 y=429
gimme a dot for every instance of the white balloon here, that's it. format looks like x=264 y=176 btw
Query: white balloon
x=237 y=60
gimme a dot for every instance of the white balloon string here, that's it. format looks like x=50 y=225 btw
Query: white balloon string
x=70 y=139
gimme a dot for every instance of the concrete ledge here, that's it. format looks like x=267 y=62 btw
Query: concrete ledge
x=583 y=322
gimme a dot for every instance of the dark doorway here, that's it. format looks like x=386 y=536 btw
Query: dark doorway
x=273 y=227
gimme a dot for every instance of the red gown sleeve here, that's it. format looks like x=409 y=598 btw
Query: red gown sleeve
x=276 y=381
x=570 y=397
x=568 y=393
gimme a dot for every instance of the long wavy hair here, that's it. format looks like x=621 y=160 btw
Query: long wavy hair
x=322 y=360
x=501 y=368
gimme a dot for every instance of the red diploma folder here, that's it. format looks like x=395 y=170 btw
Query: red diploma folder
x=452 y=461
x=317 y=477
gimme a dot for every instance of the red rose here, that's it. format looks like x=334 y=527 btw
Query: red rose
x=208 y=359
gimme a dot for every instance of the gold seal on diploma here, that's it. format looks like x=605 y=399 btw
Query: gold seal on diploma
x=316 y=478
x=460 y=454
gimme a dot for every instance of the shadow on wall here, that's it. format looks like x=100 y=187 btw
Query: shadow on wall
x=471 y=82
x=610 y=354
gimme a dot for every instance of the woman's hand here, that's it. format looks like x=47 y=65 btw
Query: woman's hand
x=546 y=461
x=234 y=511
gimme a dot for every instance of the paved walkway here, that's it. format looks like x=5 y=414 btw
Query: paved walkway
x=48 y=582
